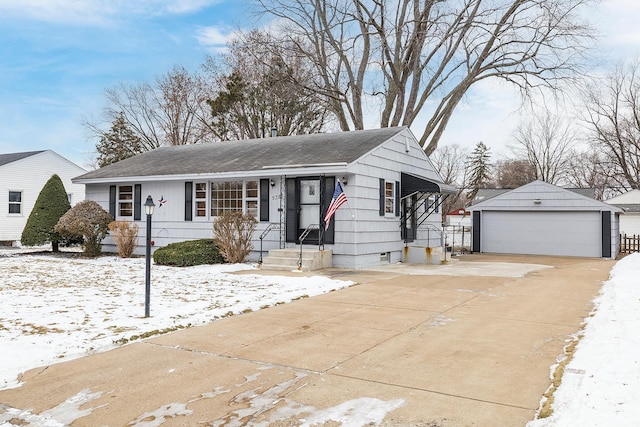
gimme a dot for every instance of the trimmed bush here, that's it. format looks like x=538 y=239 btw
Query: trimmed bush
x=51 y=204
x=189 y=253
x=125 y=234
x=89 y=220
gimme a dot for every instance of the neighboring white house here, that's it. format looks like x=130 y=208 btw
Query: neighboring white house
x=630 y=204
x=22 y=176
x=541 y=219
x=392 y=188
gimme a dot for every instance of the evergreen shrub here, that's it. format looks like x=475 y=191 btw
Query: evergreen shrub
x=51 y=204
x=189 y=253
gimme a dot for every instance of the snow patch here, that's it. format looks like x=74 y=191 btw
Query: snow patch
x=59 y=416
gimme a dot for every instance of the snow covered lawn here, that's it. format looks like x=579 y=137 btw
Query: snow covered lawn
x=59 y=308
x=601 y=384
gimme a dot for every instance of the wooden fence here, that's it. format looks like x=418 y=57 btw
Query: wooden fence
x=629 y=244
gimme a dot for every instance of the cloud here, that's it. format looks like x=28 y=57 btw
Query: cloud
x=214 y=38
x=97 y=12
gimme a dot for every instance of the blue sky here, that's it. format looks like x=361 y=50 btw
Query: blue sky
x=58 y=56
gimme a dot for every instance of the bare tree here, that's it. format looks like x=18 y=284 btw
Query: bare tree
x=588 y=169
x=416 y=55
x=449 y=161
x=260 y=86
x=546 y=142
x=513 y=173
x=612 y=113
x=171 y=111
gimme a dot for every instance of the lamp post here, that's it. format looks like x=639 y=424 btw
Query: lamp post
x=148 y=209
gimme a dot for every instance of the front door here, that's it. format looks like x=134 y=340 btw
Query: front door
x=307 y=200
x=409 y=218
x=309 y=208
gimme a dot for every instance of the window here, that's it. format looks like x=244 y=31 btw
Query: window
x=15 y=202
x=389 y=198
x=201 y=199
x=125 y=200
x=251 y=198
x=234 y=196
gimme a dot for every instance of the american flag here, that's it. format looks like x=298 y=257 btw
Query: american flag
x=337 y=200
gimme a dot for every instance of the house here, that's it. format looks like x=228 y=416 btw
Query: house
x=629 y=202
x=541 y=219
x=458 y=218
x=22 y=176
x=393 y=192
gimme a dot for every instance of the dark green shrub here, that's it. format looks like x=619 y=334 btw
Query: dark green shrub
x=51 y=204
x=189 y=253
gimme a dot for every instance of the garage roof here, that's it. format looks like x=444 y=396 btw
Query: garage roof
x=542 y=196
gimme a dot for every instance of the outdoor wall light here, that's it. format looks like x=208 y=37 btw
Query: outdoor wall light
x=272 y=182
x=344 y=180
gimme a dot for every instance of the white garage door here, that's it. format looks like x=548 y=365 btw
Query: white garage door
x=541 y=233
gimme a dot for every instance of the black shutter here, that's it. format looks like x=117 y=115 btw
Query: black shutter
x=264 y=200
x=381 y=197
x=188 y=201
x=292 y=211
x=112 y=201
x=137 y=202
x=329 y=187
x=606 y=234
x=397 y=198
x=476 y=232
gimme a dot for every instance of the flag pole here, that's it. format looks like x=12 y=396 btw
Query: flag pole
x=353 y=216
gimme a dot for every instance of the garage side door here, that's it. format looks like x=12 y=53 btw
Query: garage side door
x=542 y=233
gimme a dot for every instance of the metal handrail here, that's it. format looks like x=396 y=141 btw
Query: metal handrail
x=303 y=236
x=271 y=226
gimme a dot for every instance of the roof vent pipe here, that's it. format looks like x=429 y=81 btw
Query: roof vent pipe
x=274 y=132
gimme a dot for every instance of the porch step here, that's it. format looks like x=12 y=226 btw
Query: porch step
x=287 y=259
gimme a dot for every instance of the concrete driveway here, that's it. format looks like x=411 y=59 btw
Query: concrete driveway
x=466 y=344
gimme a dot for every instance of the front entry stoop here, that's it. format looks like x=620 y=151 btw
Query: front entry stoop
x=287 y=259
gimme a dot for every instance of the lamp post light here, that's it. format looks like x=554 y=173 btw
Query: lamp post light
x=148 y=209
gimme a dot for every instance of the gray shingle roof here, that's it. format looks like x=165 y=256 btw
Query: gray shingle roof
x=631 y=208
x=14 y=157
x=249 y=155
x=488 y=193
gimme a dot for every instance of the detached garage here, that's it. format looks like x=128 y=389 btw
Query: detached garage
x=542 y=219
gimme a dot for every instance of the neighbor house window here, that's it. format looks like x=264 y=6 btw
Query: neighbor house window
x=15 y=202
x=234 y=196
x=389 y=198
x=125 y=200
x=201 y=199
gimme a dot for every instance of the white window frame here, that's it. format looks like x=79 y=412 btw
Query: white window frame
x=125 y=201
x=19 y=204
x=203 y=201
x=389 y=198
x=244 y=200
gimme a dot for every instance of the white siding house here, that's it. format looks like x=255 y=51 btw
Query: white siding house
x=629 y=202
x=541 y=219
x=392 y=188
x=22 y=176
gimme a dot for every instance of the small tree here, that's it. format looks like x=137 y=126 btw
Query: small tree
x=125 y=234
x=232 y=234
x=51 y=204
x=478 y=169
x=89 y=220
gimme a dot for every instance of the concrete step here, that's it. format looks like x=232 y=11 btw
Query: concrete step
x=287 y=259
